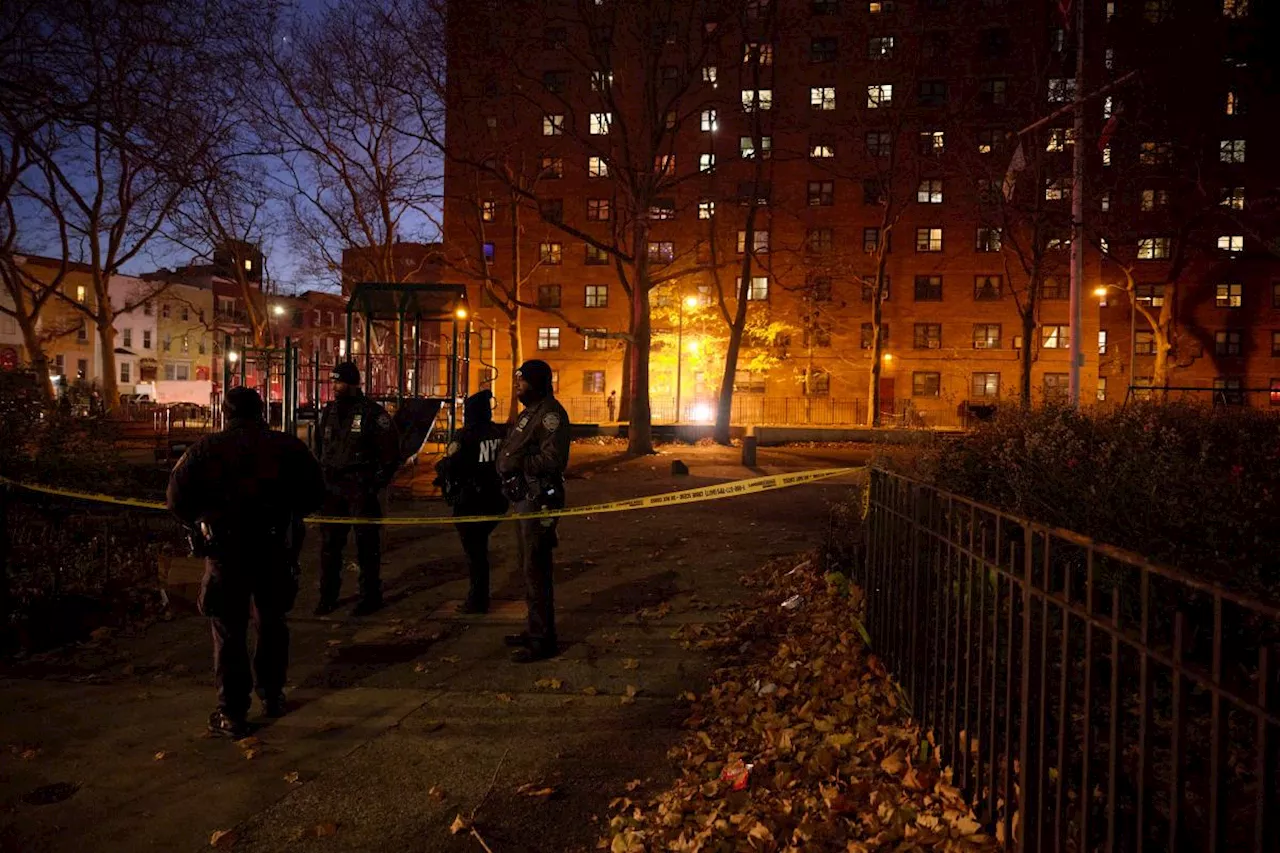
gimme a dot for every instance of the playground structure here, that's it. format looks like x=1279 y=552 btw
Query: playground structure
x=412 y=344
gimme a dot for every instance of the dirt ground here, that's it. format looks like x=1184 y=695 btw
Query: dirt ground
x=403 y=720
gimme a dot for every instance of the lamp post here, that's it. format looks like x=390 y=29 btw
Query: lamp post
x=691 y=302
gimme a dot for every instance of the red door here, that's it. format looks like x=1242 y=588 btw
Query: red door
x=886 y=395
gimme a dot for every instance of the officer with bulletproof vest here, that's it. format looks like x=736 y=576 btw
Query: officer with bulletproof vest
x=468 y=477
x=359 y=451
x=242 y=494
x=531 y=464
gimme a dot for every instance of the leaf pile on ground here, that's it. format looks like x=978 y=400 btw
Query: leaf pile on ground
x=802 y=742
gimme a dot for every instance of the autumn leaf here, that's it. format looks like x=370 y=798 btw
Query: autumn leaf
x=630 y=663
x=532 y=789
x=450 y=659
x=324 y=830
x=222 y=838
x=160 y=756
x=436 y=793
x=459 y=825
x=292 y=778
x=28 y=754
x=549 y=683
x=504 y=698
x=590 y=691
x=419 y=667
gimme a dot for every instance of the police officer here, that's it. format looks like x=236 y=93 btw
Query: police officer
x=359 y=450
x=531 y=463
x=243 y=492
x=468 y=475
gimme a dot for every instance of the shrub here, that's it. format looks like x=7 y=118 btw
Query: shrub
x=1188 y=486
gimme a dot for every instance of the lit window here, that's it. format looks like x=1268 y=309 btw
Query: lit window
x=986 y=336
x=597 y=296
x=1155 y=154
x=747 y=147
x=987 y=141
x=987 y=288
x=760 y=242
x=986 y=385
x=1231 y=151
x=549 y=337
x=1152 y=199
x=1102 y=342
x=598 y=210
x=82 y=294
x=1233 y=197
x=758 y=290
x=710 y=123
x=880 y=47
x=248 y=264
x=597 y=167
x=552 y=167
x=929 y=191
x=553 y=125
x=755 y=52
x=1060 y=138
x=932 y=142
x=662 y=251
x=551 y=253
x=1235 y=8
x=1154 y=248
x=875 y=7
x=1106 y=156
x=1231 y=243
x=988 y=240
x=822 y=97
x=820 y=150
x=753 y=99
x=709 y=74
x=1055 y=337
x=488 y=210
x=600 y=123
x=1151 y=295
x=593 y=382
x=706 y=163
x=928 y=239
x=926 y=384
x=601 y=81
x=1229 y=296
x=662 y=210
x=1057 y=190
x=1233 y=104
x=664 y=165
x=706 y=209
x=1061 y=89
x=879 y=95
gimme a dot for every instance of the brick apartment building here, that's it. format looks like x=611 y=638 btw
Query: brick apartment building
x=829 y=113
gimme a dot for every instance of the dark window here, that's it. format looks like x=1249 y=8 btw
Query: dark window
x=820 y=240
x=670 y=73
x=868 y=329
x=1227 y=343
x=987 y=287
x=555 y=82
x=1228 y=391
x=822 y=193
x=994 y=91
x=1055 y=289
x=597 y=210
x=553 y=209
x=825 y=7
x=1056 y=386
x=1152 y=295
x=593 y=382
x=820 y=288
x=995 y=43
x=926 y=384
x=871 y=240
x=1144 y=343
x=596 y=256
x=817 y=336
x=818 y=383
x=554 y=38
x=937 y=44
x=869 y=289
x=933 y=93
x=1275 y=344
x=928 y=288
x=878 y=143
x=548 y=296
x=872 y=191
x=988 y=240
x=985 y=385
x=823 y=50
x=928 y=336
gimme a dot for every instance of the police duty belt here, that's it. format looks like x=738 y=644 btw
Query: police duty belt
x=732 y=489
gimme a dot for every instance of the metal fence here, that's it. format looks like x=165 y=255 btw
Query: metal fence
x=755 y=409
x=1085 y=698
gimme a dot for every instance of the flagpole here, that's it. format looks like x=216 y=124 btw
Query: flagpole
x=1077 y=217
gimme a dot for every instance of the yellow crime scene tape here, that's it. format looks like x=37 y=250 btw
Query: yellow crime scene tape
x=736 y=488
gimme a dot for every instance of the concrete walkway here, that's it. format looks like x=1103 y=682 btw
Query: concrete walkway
x=406 y=719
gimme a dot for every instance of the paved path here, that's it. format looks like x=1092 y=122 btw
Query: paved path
x=405 y=719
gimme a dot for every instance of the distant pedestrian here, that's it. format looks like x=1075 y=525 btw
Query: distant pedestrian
x=468 y=475
x=359 y=450
x=612 y=403
x=531 y=463
x=242 y=494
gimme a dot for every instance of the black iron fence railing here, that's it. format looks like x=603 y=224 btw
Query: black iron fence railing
x=1085 y=698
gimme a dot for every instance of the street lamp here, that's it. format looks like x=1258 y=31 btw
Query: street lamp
x=278 y=310
x=233 y=356
x=691 y=302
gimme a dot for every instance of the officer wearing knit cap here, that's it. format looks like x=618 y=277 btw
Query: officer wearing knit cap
x=531 y=463
x=359 y=450
x=243 y=493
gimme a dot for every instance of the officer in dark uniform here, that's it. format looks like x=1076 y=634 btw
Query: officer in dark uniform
x=468 y=476
x=531 y=463
x=242 y=493
x=359 y=450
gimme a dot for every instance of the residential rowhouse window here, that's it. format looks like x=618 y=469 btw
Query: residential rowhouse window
x=880 y=47
x=593 y=382
x=757 y=290
x=1229 y=296
x=664 y=165
x=1153 y=248
x=1275 y=344
x=706 y=209
x=1232 y=244
x=549 y=337
x=869 y=289
x=1056 y=386
x=929 y=191
x=927 y=336
x=707 y=164
x=552 y=209
x=600 y=123
x=1231 y=150
x=594 y=339
x=986 y=336
x=994 y=92
x=662 y=251
x=985 y=385
x=553 y=125
x=879 y=96
x=928 y=239
x=932 y=93
x=823 y=49
x=932 y=142
x=551 y=253
x=1228 y=391
x=757 y=53
x=598 y=209
x=596 y=256
x=747 y=147
x=1233 y=197
x=987 y=288
x=820 y=240
x=757 y=99
x=822 y=193
x=817 y=383
x=1274 y=396
x=1227 y=343
x=1144 y=343
x=488 y=210
x=548 y=296
x=870 y=240
x=988 y=240
x=879 y=143
x=822 y=97
x=926 y=384
x=555 y=82
x=819 y=289
x=709 y=121
x=867 y=340
x=1155 y=153
x=1055 y=337
x=597 y=167
x=759 y=242
x=821 y=149
x=928 y=288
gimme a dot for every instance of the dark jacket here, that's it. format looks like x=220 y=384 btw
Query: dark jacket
x=469 y=467
x=538 y=445
x=245 y=481
x=357 y=445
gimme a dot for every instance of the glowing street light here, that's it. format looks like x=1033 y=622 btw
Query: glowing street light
x=233 y=356
x=461 y=313
x=691 y=302
x=278 y=310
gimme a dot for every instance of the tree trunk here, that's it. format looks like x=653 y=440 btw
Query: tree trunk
x=724 y=405
x=877 y=334
x=1028 y=317
x=517 y=359
x=36 y=355
x=107 y=349
x=624 y=404
x=640 y=428
x=1163 y=334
